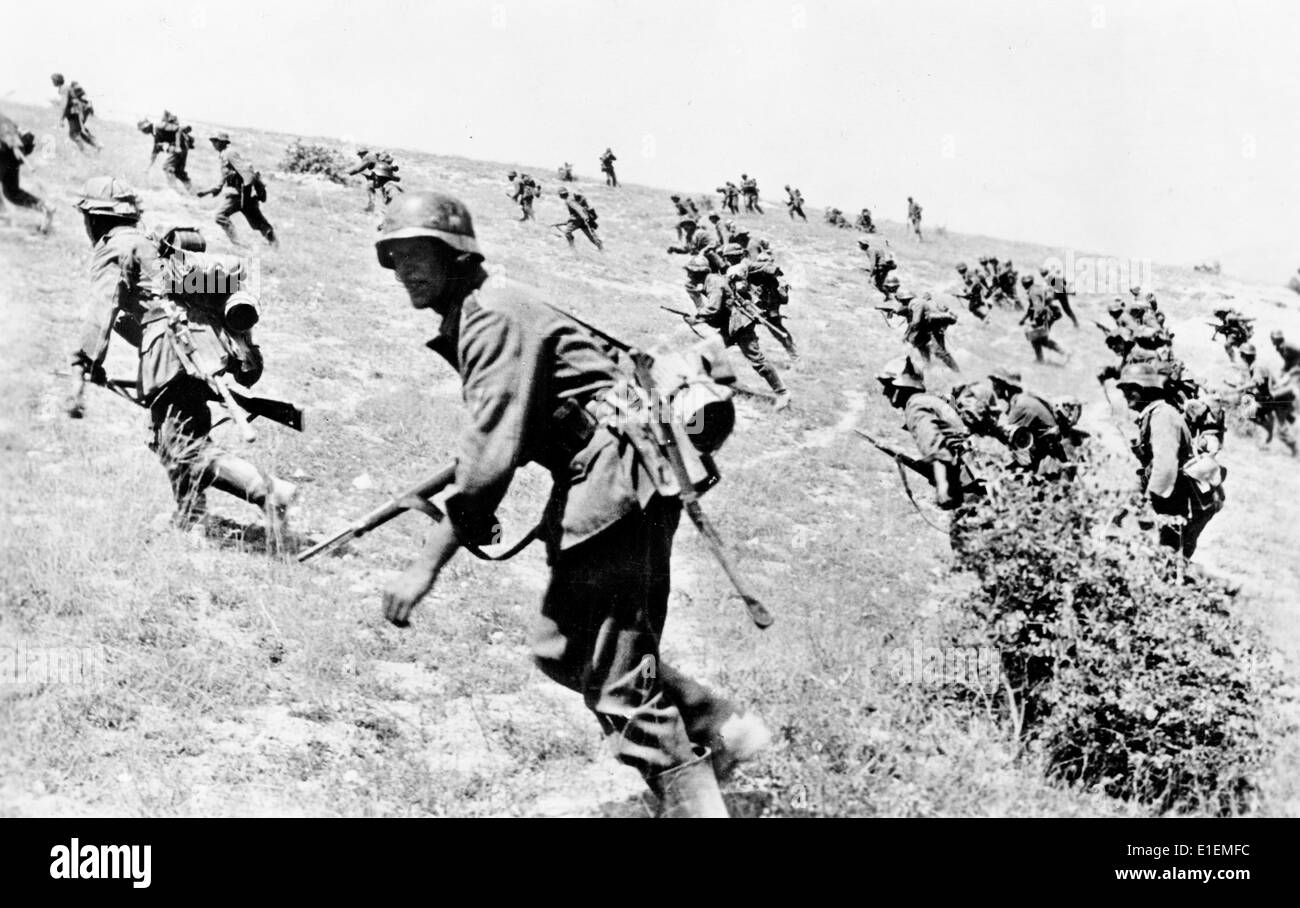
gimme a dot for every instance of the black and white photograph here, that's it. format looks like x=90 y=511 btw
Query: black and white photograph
x=595 y=409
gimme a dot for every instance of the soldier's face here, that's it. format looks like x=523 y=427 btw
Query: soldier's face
x=421 y=269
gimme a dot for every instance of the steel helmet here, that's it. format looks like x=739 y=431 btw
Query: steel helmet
x=732 y=250
x=961 y=268
x=1142 y=375
x=904 y=296
x=1007 y=377
x=1115 y=306
x=890 y=281
x=697 y=264
x=432 y=214
x=109 y=196
x=864 y=243
x=900 y=373
x=1275 y=335
x=1026 y=279
x=1247 y=349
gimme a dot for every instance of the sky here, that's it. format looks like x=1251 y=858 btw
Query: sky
x=1148 y=129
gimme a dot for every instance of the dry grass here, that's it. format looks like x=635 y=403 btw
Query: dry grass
x=240 y=684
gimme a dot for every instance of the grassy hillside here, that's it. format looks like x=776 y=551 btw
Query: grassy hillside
x=236 y=684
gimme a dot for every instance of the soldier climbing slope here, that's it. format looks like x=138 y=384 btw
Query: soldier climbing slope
x=242 y=191
x=794 y=203
x=1040 y=315
x=719 y=307
x=749 y=186
x=975 y=291
x=914 y=217
x=534 y=382
x=380 y=174
x=187 y=342
x=15 y=146
x=75 y=109
x=1184 y=488
x=581 y=218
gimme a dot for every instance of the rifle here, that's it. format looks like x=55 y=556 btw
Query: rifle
x=748 y=308
x=686 y=317
x=183 y=344
x=415 y=497
x=969 y=484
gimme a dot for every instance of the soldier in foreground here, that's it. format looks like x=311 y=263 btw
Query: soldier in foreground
x=607 y=168
x=794 y=203
x=1186 y=494
x=15 y=146
x=718 y=307
x=242 y=191
x=187 y=342
x=75 y=109
x=532 y=380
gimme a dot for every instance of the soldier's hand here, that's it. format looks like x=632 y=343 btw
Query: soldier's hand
x=404 y=591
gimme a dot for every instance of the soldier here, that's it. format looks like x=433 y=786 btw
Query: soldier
x=1164 y=448
x=241 y=189
x=794 y=203
x=981 y=408
x=174 y=142
x=531 y=378
x=1119 y=341
x=580 y=218
x=749 y=186
x=935 y=425
x=75 y=109
x=163 y=133
x=380 y=174
x=687 y=217
x=1008 y=281
x=138 y=293
x=880 y=263
x=1040 y=315
x=927 y=322
x=864 y=221
x=976 y=291
x=1031 y=428
x=1234 y=328
x=771 y=295
x=914 y=217
x=15 y=146
x=1205 y=418
x=565 y=173
x=607 y=168
x=1274 y=401
x=1060 y=293
x=717 y=306
x=1290 y=355
x=702 y=243
x=521 y=191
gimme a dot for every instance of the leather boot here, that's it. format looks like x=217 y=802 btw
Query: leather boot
x=690 y=790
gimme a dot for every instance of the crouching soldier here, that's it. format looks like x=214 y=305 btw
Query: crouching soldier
x=1183 y=486
x=531 y=378
x=189 y=334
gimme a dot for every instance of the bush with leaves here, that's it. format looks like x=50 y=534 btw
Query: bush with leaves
x=1125 y=668
x=301 y=157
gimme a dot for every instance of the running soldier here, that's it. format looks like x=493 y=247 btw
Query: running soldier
x=1054 y=280
x=975 y=291
x=187 y=341
x=687 y=217
x=1040 y=315
x=380 y=175
x=75 y=109
x=1186 y=495
x=523 y=190
x=15 y=146
x=1273 y=401
x=771 y=294
x=242 y=190
x=718 y=306
x=1290 y=355
x=580 y=219
x=730 y=197
x=927 y=322
x=532 y=379
x=607 y=168
x=749 y=186
x=174 y=143
x=565 y=173
x=794 y=202
x=1234 y=328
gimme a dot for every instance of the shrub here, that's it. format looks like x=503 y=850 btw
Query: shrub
x=1125 y=669
x=300 y=157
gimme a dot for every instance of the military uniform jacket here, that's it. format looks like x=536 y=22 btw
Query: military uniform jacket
x=528 y=373
x=124 y=281
x=714 y=304
x=1163 y=446
x=937 y=427
x=1041 y=313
